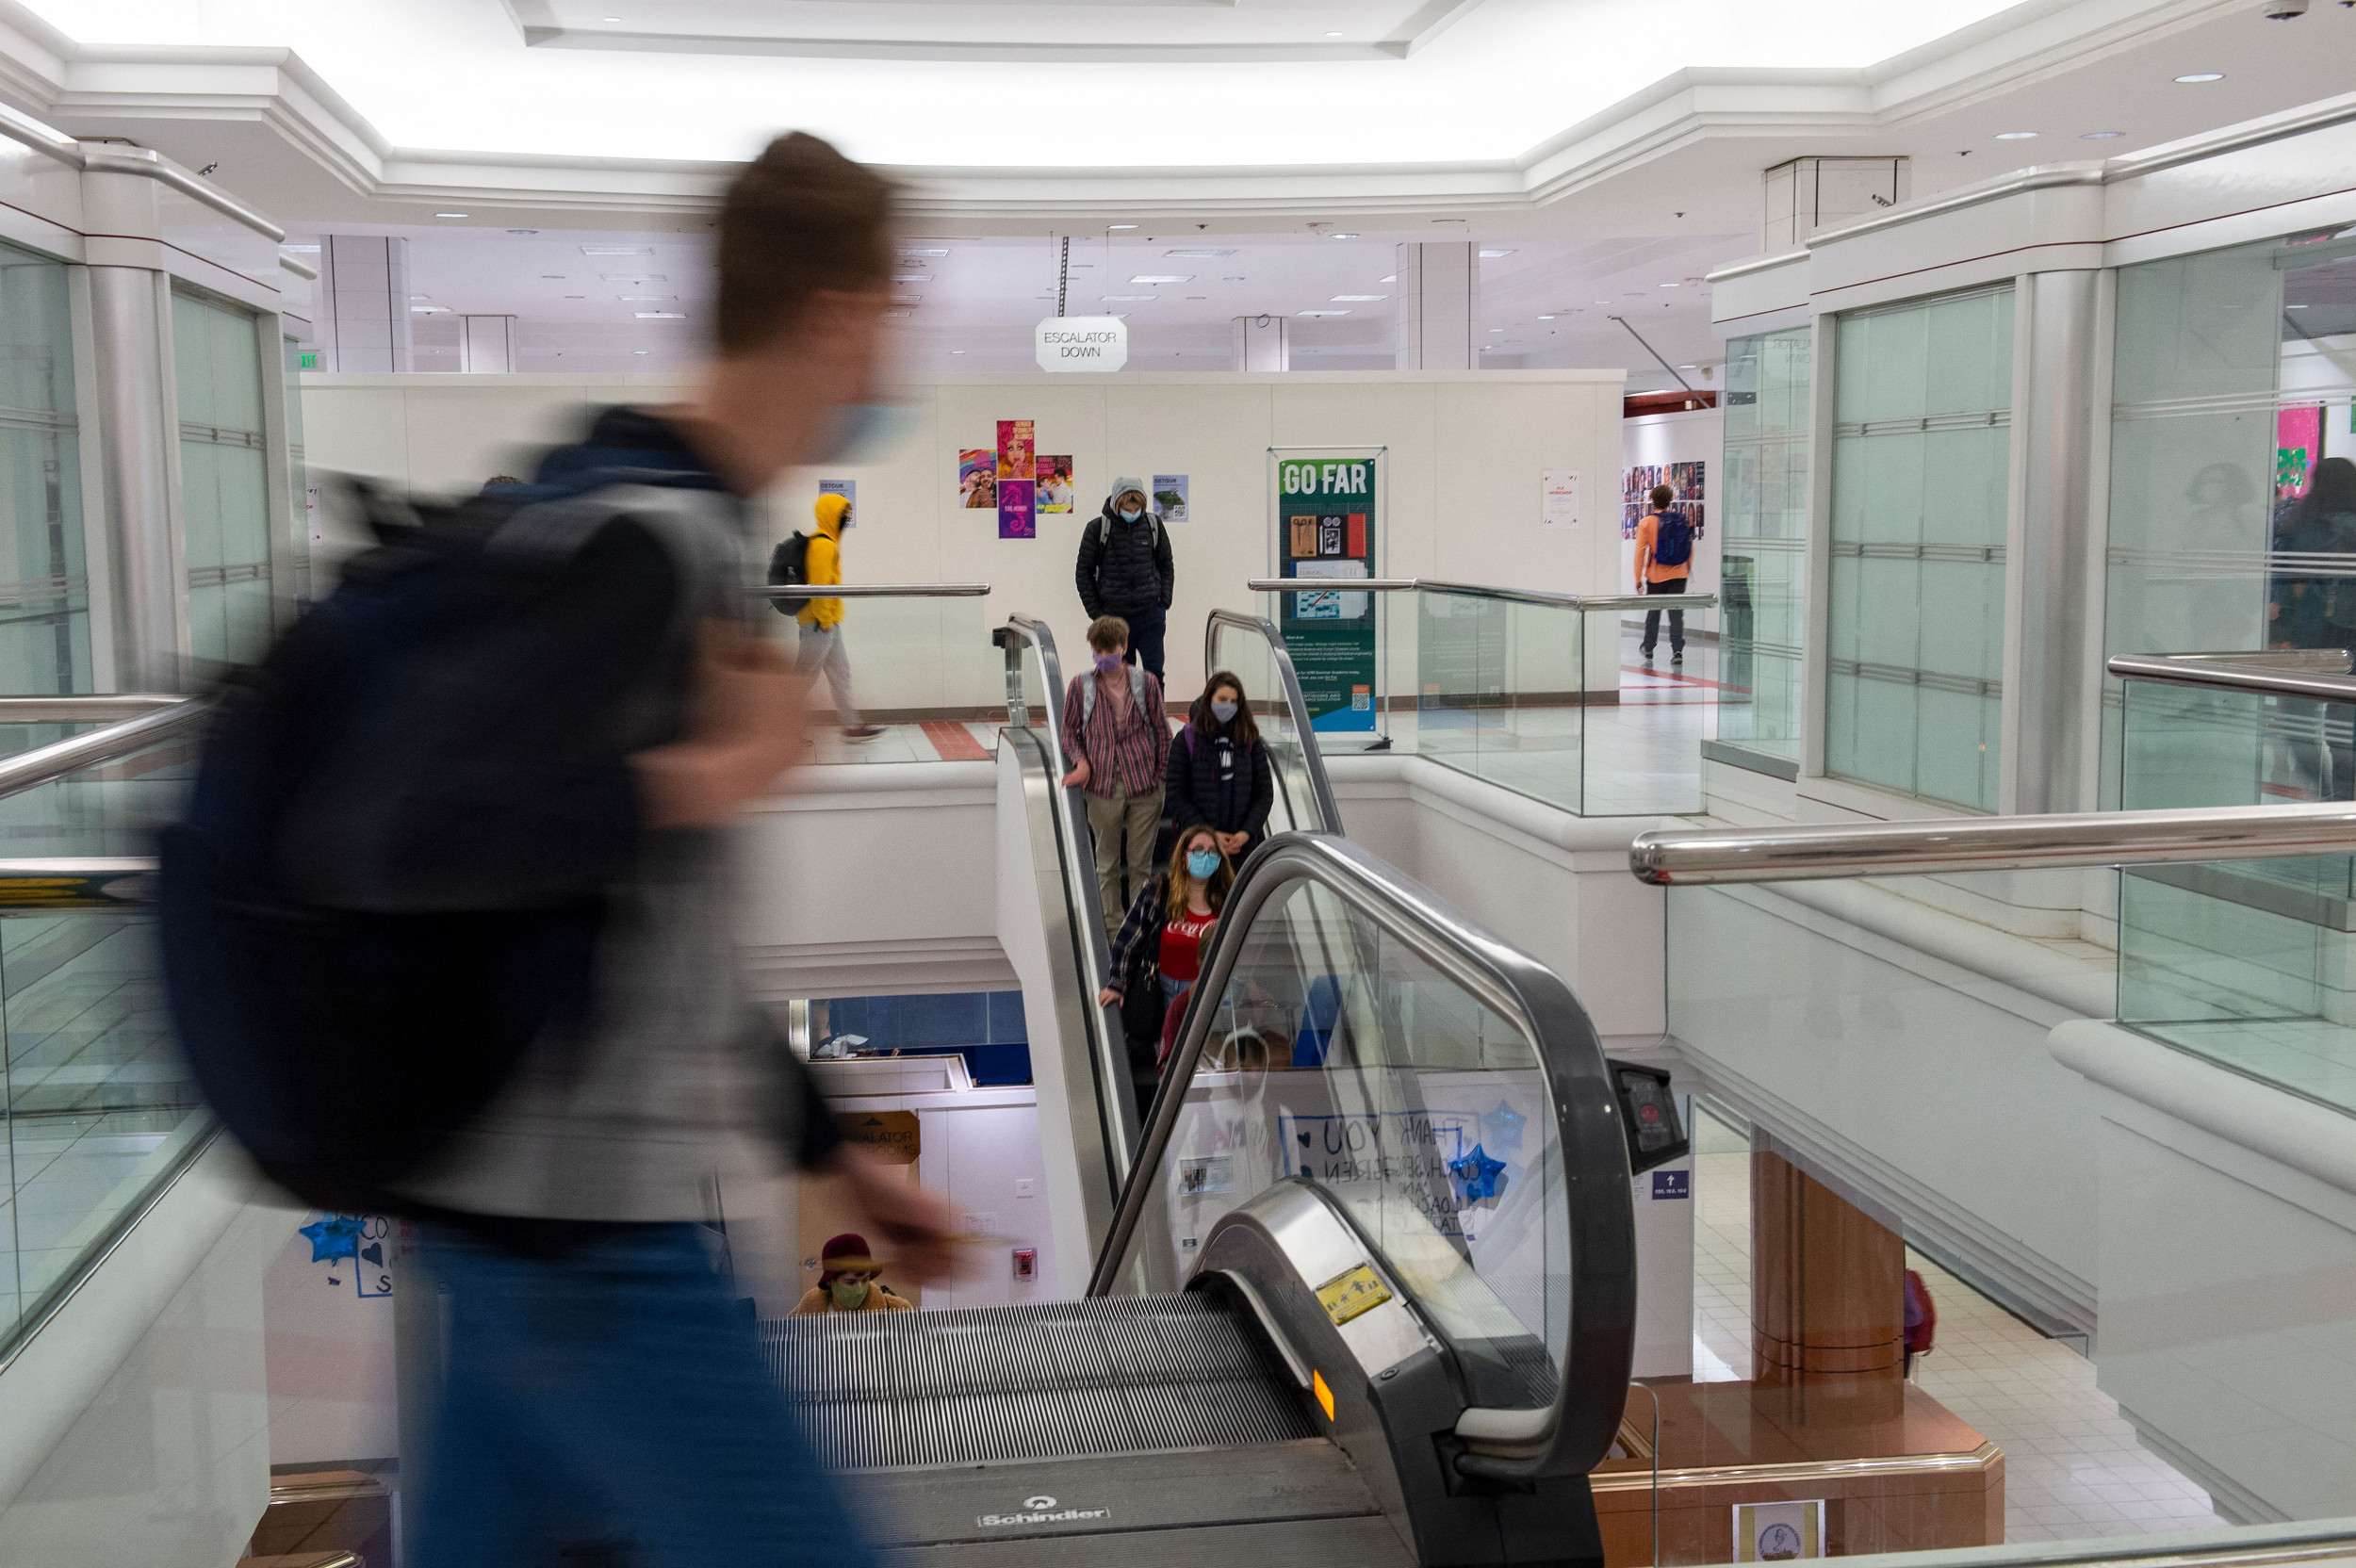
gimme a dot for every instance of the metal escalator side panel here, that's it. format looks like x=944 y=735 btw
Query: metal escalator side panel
x=1077 y=1127
x=1420 y=1012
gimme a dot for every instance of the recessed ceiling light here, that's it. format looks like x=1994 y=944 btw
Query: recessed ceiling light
x=661 y=316
x=1129 y=299
x=1332 y=35
x=306 y=248
x=956 y=351
x=1603 y=301
x=646 y=299
x=2294 y=307
x=1201 y=253
x=1545 y=317
x=449 y=215
x=421 y=296
x=1320 y=313
x=2202 y=76
x=1197 y=295
x=576 y=296
x=1343 y=236
x=1393 y=278
x=904 y=253
x=912 y=277
x=1237 y=278
x=633 y=277
x=429 y=310
x=523 y=231
x=1112 y=227
x=552 y=277
x=617 y=250
x=1163 y=277
x=1689 y=367
x=1669 y=285
x=2015 y=136
x=2100 y=136
x=638 y=350
x=1497 y=329
x=1493 y=254
x=1360 y=299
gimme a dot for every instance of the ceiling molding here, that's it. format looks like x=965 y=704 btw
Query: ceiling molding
x=539 y=26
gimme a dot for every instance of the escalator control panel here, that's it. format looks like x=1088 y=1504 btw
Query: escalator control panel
x=1648 y=1111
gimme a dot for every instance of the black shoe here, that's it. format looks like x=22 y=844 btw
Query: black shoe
x=1677 y=658
x=1647 y=653
x=862 y=732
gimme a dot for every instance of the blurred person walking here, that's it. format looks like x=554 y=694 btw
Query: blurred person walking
x=821 y=620
x=459 y=853
x=1113 y=723
x=1126 y=570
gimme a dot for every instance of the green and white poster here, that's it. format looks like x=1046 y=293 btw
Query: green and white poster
x=1327 y=527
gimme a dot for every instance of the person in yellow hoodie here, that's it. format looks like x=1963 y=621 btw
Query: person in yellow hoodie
x=822 y=619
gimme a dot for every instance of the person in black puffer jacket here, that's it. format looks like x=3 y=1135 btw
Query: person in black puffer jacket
x=1125 y=569
x=1220 y=777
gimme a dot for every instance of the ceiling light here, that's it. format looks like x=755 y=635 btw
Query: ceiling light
x=1112 y=227
x=2294 y=307
x=2015 y=136
x=2101 y=136
x=1492 y=255
x=2202 y=76
x=1689 y=367
x=1497 y=329
x=661 y=316
x=1342 y=236
x=1237 y=278
x=1332 y=35
x=449 y=215
x=637 y=351
x=1163 y=277
x=523 y=231
x=646 y=299
x=306 y=248
x=576 y=296
x=552 y=277
x=1128 y=298
x=421 y=296
x=1603 y=301
x=1668 y=286
x=904 y=254
x=956 y=351
x=1393 y=278
x=617 y=250
x=1320 y=313
x=1203 y=252
x=429 y=310
x=1197 y=295
x=633 y=277
x=1360 y=299
x=1545 y=317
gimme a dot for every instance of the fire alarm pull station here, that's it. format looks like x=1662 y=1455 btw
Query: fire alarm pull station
x=1026 y=1263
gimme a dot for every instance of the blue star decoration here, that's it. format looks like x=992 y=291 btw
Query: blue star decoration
x=1477 y=1175
x=332 y=1237
x=1503 y=1126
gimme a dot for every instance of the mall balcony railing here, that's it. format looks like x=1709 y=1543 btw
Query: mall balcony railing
x=1525 y=688
x=911 y=651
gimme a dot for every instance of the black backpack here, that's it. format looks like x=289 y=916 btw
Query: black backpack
x=789 y=567
x=389 y=882
x=1673 y=539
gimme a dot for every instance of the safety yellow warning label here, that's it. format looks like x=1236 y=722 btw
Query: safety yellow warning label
x=1345 y=1295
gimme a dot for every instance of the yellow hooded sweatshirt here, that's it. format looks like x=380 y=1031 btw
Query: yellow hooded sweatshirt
x=823 y=562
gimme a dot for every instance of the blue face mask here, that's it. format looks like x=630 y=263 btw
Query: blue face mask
x=861 y=432
x=1221 y=710
x=1128 y=515
x=1201 y=864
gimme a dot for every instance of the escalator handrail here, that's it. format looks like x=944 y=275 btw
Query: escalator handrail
x=1591 y=1396
x=1108 y=1043
x=1313 y=758
x=29 y=770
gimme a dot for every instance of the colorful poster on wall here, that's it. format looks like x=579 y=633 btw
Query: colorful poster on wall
x=1017 y=447
x=1054 y=483
x=978 y=478
x=1327 y=527
x=2297 y=448
x=1169 y=497
x=1689 y=480
x=1015 y=519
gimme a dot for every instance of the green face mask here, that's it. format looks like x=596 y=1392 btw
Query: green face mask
x=849 y=1297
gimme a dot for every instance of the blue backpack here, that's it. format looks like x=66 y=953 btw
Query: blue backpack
x=1673 y=539
x=389 y=881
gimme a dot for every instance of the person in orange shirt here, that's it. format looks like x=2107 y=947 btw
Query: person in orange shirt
x=1664 y=559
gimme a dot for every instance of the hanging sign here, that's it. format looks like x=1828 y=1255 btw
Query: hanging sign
x=1081 y=343
x=1326 y=529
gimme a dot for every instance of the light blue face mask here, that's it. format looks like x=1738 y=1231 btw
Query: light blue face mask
x=1223 y=709
x=1129 y=516
x=1201 y=864
x=861 y=431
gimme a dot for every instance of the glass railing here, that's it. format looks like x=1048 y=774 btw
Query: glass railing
x=1550 y=696
x=101 y=1114
x=902 y=661
x=1444 y=1090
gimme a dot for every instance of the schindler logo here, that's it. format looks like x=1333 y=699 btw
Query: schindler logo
x=1041 y=1511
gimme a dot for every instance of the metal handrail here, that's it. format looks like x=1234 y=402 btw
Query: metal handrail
x=1116 y=1096
x=1696 y=857
x=1589 y=1401
x=1477 y=590
x=2319 y=674
x=29 y=770
x=871 y=591
x=101 y=709
x=1312 y=757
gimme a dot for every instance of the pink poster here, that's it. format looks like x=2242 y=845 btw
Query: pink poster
x=2297 y=448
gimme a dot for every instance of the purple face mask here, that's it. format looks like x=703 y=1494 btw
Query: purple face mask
x=1107 y=662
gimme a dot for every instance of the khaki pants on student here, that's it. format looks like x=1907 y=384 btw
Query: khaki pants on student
x=1125 y=826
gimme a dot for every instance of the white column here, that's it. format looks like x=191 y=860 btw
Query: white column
x=1439 y=306
x=1261 y=343
x=486 y=344
x=363 y=303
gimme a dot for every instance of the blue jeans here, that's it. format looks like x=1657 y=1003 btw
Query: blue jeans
x=616 y=1396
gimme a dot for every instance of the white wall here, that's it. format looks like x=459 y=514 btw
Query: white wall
x=329 y=1348
x=1466 y=453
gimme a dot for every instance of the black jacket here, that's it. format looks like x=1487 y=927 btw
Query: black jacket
x=1195 y=795
x=1125 y=566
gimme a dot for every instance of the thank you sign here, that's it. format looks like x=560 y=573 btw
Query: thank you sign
x=1082 y=343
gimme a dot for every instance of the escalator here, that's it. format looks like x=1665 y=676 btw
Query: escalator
x=1368 y=1294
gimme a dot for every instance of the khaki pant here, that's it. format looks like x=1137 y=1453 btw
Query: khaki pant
x=1136 y=819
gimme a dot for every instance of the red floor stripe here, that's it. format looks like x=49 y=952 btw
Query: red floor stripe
x=954 y=743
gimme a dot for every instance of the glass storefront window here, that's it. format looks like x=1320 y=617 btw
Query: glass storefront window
x=1765 y=564
x=224 y=458
x=45 y=585
x=1915 y=616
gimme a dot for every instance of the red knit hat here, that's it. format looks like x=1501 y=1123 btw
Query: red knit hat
x=847 y=1250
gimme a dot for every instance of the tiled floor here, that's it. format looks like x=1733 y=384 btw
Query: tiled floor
x=2072 y=1467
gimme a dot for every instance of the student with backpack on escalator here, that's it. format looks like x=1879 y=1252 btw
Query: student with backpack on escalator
x=1664 y=561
